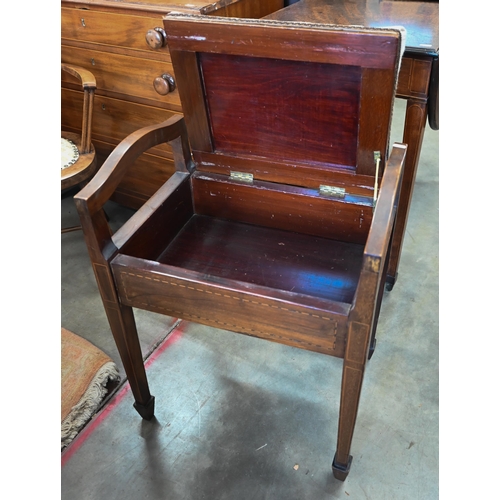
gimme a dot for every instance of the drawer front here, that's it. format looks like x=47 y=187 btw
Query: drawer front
x=110 y=29
x=113 y=119
x=124 y=75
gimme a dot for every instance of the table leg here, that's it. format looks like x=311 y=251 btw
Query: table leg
x=415 y=120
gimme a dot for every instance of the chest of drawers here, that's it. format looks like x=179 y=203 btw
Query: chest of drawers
x=124 y=45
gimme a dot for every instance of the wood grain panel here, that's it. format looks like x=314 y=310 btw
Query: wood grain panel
x=296 y=209
x=150 y=232
x=296 y=111
x=421 y=19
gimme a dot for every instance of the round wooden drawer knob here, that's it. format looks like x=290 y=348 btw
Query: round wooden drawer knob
x=156 y=38
x=164 y=84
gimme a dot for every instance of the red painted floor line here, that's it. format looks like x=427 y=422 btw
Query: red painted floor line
x=173 y=337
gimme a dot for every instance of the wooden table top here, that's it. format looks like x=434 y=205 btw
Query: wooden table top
x=421 y=19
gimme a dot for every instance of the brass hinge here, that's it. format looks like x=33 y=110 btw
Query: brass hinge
x=335 y=191
x=241 y=176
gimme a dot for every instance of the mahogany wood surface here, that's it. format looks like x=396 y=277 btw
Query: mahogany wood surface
x=418 y=80
x=284 y=207
x=363 y=313
x=276 y=260
x=284 y=317
x=309 y=175
x=278 y=135
x=283 y=260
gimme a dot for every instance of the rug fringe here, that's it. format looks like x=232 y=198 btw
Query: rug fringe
x=88 y=404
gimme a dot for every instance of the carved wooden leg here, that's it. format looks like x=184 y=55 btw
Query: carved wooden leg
x=416 y=116
x=352 y=379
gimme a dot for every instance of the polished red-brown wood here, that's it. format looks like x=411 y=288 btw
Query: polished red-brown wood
x=274 y=255
x=305 y=210
x=314 y=88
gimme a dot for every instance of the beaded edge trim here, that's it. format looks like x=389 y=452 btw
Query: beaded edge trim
x=272 y=22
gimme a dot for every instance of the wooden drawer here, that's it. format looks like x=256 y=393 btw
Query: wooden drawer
x=123 y=76
x=109 y=29
x=113 y=119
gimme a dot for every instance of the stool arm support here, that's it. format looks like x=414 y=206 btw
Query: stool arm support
x=103 y=185
x=91 y=199
x=385 y=211
x=377 y=244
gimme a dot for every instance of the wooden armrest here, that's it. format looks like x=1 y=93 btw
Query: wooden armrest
x=105 y=182
x=385 y=211
x=84 y=75
x=90 y=200
x=377 y=245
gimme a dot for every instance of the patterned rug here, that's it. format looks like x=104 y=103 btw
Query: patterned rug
x=85 y=373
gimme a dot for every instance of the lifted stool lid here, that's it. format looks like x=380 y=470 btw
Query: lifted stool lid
x=294 y=103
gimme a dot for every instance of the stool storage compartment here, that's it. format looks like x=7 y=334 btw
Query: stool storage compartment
x=278 y=220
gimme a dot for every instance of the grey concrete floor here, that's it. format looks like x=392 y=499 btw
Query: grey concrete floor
x=236 y=415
